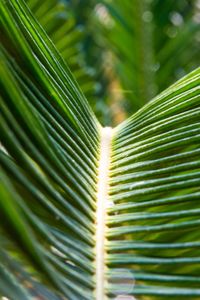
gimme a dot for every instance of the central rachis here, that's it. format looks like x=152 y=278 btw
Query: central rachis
x=101 y=214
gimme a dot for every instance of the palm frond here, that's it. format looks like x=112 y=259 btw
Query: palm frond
x=71 y=224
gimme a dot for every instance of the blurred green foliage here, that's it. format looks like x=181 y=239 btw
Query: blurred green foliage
x=154 y=43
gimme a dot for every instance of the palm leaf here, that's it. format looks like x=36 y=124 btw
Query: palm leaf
x=90 y=212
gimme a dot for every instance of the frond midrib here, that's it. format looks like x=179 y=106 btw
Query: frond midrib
x=101 y=213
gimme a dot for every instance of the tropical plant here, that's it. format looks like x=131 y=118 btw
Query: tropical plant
x=84 y=208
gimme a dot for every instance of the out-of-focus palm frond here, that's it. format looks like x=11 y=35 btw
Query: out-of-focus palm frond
x=155 y=43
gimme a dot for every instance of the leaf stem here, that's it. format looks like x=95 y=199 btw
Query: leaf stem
x=102 y=198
